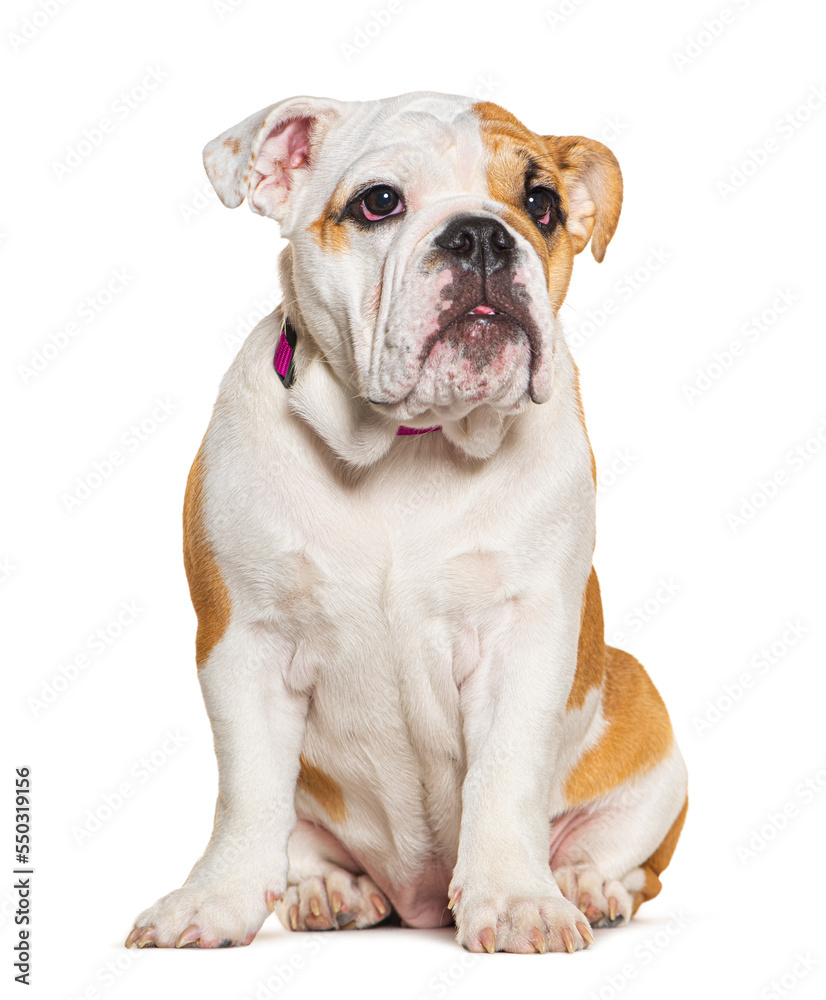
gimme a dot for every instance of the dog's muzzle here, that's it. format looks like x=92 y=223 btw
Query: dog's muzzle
x=462 y=328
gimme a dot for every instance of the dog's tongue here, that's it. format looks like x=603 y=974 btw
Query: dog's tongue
x=482 y=311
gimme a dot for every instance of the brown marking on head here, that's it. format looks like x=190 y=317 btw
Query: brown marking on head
x=328 y=233
x=207 y=589
x=584 y=174
x=324 y=789
x=514 y=151
x=590 y=659
x=637 y=735
x=593 y=182
x=658 y=862
x=233 y=144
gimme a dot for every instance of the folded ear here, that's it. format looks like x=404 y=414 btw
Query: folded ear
x=593 y=182
x=264 y=156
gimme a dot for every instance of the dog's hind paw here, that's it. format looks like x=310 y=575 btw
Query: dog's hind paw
x=605 y=902
x=336 y=900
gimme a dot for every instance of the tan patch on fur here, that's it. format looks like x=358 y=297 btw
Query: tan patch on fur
x=637 y=735
x=511 y=149
x=593 y=182
x=584 y=172
x=658 y=862
x=323 y=789
x=590 y=659
x=328 y=234
x=326 y=229
x=233 y=145
x=206 y=585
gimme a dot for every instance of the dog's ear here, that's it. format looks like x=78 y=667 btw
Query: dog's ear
x=593 y=183
x=263 y=156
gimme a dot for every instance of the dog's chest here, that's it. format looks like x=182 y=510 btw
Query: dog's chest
x=380 y=652
x=382 y=602
x=401 y=588
x=384 y=596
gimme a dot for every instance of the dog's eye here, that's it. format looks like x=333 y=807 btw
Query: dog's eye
x=381 y=202
x=541 y=205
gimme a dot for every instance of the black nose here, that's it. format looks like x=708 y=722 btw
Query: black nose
x=480 y=243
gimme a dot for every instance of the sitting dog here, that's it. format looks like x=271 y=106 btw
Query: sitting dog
x=388 y=534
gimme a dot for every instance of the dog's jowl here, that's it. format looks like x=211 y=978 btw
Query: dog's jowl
x=388 y=534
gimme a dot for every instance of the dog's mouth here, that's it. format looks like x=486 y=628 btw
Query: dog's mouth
x=482 y=333
x=480 y=343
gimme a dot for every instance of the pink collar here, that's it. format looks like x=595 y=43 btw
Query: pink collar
x=284 y=364
x=416 y=430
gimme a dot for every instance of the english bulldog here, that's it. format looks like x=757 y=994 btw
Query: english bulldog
x=388 y=536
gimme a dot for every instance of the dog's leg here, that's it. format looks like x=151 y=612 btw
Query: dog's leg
x=324 y=888
x=503 y=894
x=608 y=861
x=258 y=727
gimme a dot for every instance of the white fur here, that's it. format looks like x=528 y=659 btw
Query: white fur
x=405 y=610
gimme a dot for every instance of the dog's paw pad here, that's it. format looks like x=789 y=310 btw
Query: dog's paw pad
x=337 y=900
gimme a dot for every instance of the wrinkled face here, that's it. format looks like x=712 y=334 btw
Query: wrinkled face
x=432 y=241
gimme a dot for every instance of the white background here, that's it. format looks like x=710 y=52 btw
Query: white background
x=732 y=917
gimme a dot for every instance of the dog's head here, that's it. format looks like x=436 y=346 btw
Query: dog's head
x=431 y=241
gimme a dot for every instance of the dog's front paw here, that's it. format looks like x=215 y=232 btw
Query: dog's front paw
x=203 y=916
x=519 y=923
x=339 y=899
